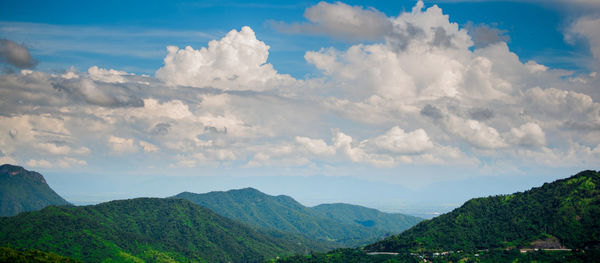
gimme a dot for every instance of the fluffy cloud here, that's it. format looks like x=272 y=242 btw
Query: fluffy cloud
x=357 y=153
x=315 y=146
x=474 y=132
x=15 y=54
x=107 y=75
x=529 y=135
x=425 y=56
x=236 y=62
x=420 y=96
x=587 y=28
x=398 y=141
x=552 y=103
x=342 y=21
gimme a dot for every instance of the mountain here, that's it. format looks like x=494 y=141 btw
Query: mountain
x=368 y=217
x=22 y=190
x=561 y=214
x=143 y=229
x=286 y=214
x=33 y=256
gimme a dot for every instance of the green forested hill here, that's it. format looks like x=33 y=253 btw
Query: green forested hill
x=286 y=214
x=22 y=190
x=368 y=217
x=31 y=256
x=562 y=213
x=144 y=229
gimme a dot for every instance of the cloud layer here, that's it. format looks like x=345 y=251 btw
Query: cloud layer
x=427 y=92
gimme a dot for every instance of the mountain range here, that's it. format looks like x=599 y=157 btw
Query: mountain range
x=343 y=224
x=143 y=229
x=557 y=222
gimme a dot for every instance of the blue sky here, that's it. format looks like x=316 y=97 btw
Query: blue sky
x=534 y=30
x=444 y=100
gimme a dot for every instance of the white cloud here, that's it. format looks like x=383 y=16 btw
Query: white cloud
x=106 y=75
x=122 y=145
x=54 y=148
x=474 y=132
x=398 y=141
x=586 y=27
x=342 y=21
x=236 y=62
x=422 y=96
x=315 y=146
x=554 y=101
x=529 y=135
x=356 y=153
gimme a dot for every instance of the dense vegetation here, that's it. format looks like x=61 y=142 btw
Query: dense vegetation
x=144 y=229
x=491 y=256
x=563 y=213
x=31 y=256
x=347 y=255
x=22 y=190
x=360 y=226
x=368 y=217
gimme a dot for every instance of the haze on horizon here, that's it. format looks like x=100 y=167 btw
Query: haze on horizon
x=408 y=107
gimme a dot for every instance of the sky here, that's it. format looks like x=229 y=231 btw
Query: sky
x=405 y=106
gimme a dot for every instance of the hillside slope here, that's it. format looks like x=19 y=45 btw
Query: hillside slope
x=283 y=213
x=22 y=190
x=368 y=217
x=33 y=256
x=564 y=213
x=148 y=229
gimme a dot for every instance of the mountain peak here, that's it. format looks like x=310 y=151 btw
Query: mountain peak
x=22 y=190
x=247 y=190
x=14 y=170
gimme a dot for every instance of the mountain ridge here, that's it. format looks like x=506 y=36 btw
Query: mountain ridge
x=142 y=229
x=22 y=190
x=555 y=222
x=284 y=213
x=565 y=210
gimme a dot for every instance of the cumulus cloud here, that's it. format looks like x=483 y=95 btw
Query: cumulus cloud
x=474 y=132
x=315 y=146
x=420 y=96
x=398 y=141
x=529 y=135
x=340 y=20
x=357 y=153
x=552 y=103
x=484 y=35
x=429 y=64
x=15 y=54
x=238 y=61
